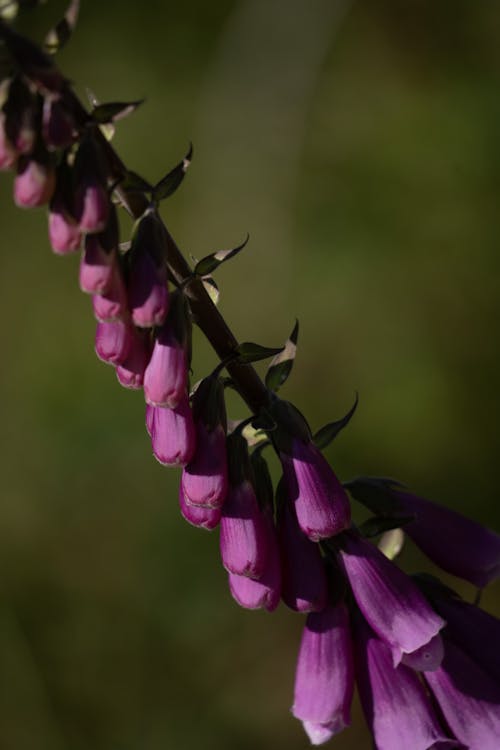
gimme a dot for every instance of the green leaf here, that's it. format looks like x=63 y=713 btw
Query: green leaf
x=391 y=543
x=134 y=183
x=248 y=352
x=169 y=184
x=329 y=432
x=104 y=114
x=281 y=366
x=209 y=263
x=62 y=31
x=212 y=289
x=379 y=524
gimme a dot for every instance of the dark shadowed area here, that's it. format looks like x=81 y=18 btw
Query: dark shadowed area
x=359 y=144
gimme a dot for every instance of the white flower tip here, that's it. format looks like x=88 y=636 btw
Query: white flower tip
x=320 y=733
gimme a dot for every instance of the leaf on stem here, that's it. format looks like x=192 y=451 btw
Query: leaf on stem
x=169 y=184
x=62 y=31
x=209 y=263
x=281 y=366
x=103 y=114
x=248 y=352
x=329 y=432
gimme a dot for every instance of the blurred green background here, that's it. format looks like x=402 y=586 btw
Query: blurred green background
x=359 y=144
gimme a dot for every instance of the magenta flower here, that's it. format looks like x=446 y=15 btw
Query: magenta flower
x=469 y=699
x=204 y=479
x=113 y=305
x=113 y=341
x=456 y=544
x=57 y=124
x=264 y=592
x=321 y=503
x=64 y=235
x=304 y=585
x=391 y=603
x=397 y=709
x=203 y=518
x=166 y=376
x=130 y=372
x=148 y=290
x=91 y=205
x=34 y=183
x=8 y=154
x=97 y=267
x=324 y=680
x=244 y=544
x=172 y=434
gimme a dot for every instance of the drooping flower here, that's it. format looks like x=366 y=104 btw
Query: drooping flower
x=34 y=183
x=324 y=679
x=391 y=603
x=202 y=517
x=148 y=289
x=266 y=591
x=57 y=123
x=21 y=110
x=397 y=709
x=166 y=376
x=244 y=544
x=304 y=584
x=113 y=304
x=8 y=154
x=205 y=478
x=130 y=372
x=113 y=341
x=321 y=503
x=97 y=266
x=92 y=202
x=469 y=699
x=173 y=437
x=456 y=544
x=64 y=235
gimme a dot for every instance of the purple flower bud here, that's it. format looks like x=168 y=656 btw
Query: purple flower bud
x=8 y=154
x=165 y=379
x=148 y=292
x=468 y=698
x=172 y=434
x=113 y=304
x=324 y=680
x=97 y=267
x=57 y=124
x=305 y=586
x=91 y=206
x=34 y=183
x=203 y=518
x=204 y=479
x=397 y=709
x=321 y=503
x=113 y=341
x=130 y=372
x=391 y=603
x=244 y=545
x=266 y=591
x=64 y=235
x=457 y=544
x=21 y=116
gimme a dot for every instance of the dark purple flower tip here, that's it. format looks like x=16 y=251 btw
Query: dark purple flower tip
x=468 y=698
x=91 y=206
x=266 y=591
x=165 y=380
x=457 y=544
x=113 y=305
x=130 y=372
x=203 y=518
x=8 y=154
x=304 y=585
x=148 y=292
x=97 y=267
x=113 y=341
x=244 y=544
x=391 y=603
x=321 y=503
x=204 y=479
x=64 y=235
x=57 y=124
x=34 y=183
x=324 y=679
x=173 y=435
x=397 y=709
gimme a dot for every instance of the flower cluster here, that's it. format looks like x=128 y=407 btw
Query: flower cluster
x=425 y=662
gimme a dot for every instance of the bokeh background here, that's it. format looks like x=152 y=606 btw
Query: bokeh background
x=359 y=144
